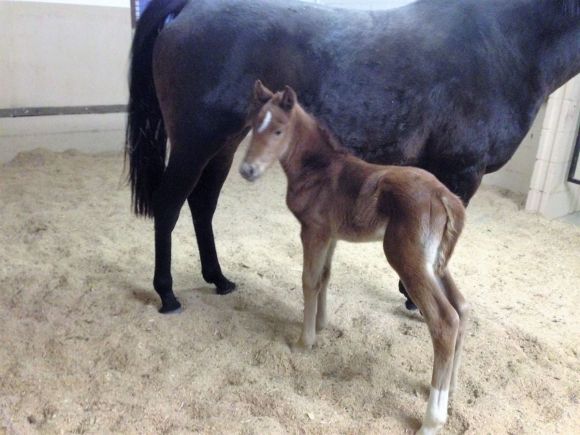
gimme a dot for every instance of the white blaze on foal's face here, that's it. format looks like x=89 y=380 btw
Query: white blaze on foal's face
x=269 y=141
x=271 y=130
x=265 y=123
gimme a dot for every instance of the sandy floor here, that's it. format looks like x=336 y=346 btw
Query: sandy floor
x=83 y=349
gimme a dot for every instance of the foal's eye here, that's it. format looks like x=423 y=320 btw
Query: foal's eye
x=278 y=132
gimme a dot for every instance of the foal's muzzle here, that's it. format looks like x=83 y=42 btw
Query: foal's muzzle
x=249 y=171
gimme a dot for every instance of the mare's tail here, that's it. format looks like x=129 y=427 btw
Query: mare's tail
x=146 y=140
x=455 y=212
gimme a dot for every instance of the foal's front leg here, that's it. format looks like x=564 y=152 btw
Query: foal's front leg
x=321 y=317
x=315 y=246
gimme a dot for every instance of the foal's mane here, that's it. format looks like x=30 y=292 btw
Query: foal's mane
x=329 y=137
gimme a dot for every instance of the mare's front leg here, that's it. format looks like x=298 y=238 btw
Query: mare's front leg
x=315 y=246
x=202 y=204
x=321 y=315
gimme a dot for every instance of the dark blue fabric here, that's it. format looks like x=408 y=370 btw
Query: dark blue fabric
x=140 y=6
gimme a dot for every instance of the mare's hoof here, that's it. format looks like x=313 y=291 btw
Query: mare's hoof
x=170 y=305
x=409 y=304
x=224 y=286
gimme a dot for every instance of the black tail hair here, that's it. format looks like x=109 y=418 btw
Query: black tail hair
x=146 y=139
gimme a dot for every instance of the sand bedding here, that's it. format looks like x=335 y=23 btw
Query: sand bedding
x=83 y=349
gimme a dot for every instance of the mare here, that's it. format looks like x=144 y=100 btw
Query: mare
x=451 y=86
x=336 y=196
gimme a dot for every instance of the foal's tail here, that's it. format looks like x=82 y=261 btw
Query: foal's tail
x=146 y=140
x=455 y=212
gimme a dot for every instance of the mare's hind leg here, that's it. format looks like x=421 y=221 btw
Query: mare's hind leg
x=179 y=178
x=462 y=307
x=321 y=316
x=202 y=204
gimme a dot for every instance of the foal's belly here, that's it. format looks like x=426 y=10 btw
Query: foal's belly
x=357 y=235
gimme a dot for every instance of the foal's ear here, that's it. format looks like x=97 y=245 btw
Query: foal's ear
x=288 y=99
x=261 y=93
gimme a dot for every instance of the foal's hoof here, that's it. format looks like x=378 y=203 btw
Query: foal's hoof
x=423 y=430
x=300 y=347
x=224 y=286
x=170 y=305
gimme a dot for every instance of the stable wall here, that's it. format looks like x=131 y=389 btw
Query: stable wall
x=62 y=55
x=550 y=193
x=516 y=175
x=539 y=169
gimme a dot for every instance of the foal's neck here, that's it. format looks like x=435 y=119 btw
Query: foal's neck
x=311 y=147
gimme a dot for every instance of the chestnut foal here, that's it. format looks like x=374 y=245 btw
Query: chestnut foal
x=336 y=196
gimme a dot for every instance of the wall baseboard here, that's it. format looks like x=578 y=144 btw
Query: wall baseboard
x=22 y=112
x=90 y=133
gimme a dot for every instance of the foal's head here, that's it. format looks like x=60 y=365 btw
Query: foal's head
x=272 y=130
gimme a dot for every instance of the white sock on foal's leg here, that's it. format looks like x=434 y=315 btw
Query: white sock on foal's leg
x=436 y=414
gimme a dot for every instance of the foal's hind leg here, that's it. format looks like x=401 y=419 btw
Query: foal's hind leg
x=443 y=323
x=202 y=203
x=418 y=275
x=464 y=182
x=462 y=307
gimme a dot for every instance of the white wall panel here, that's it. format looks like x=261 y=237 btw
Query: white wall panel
x=63 y=55
x=107 y=3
